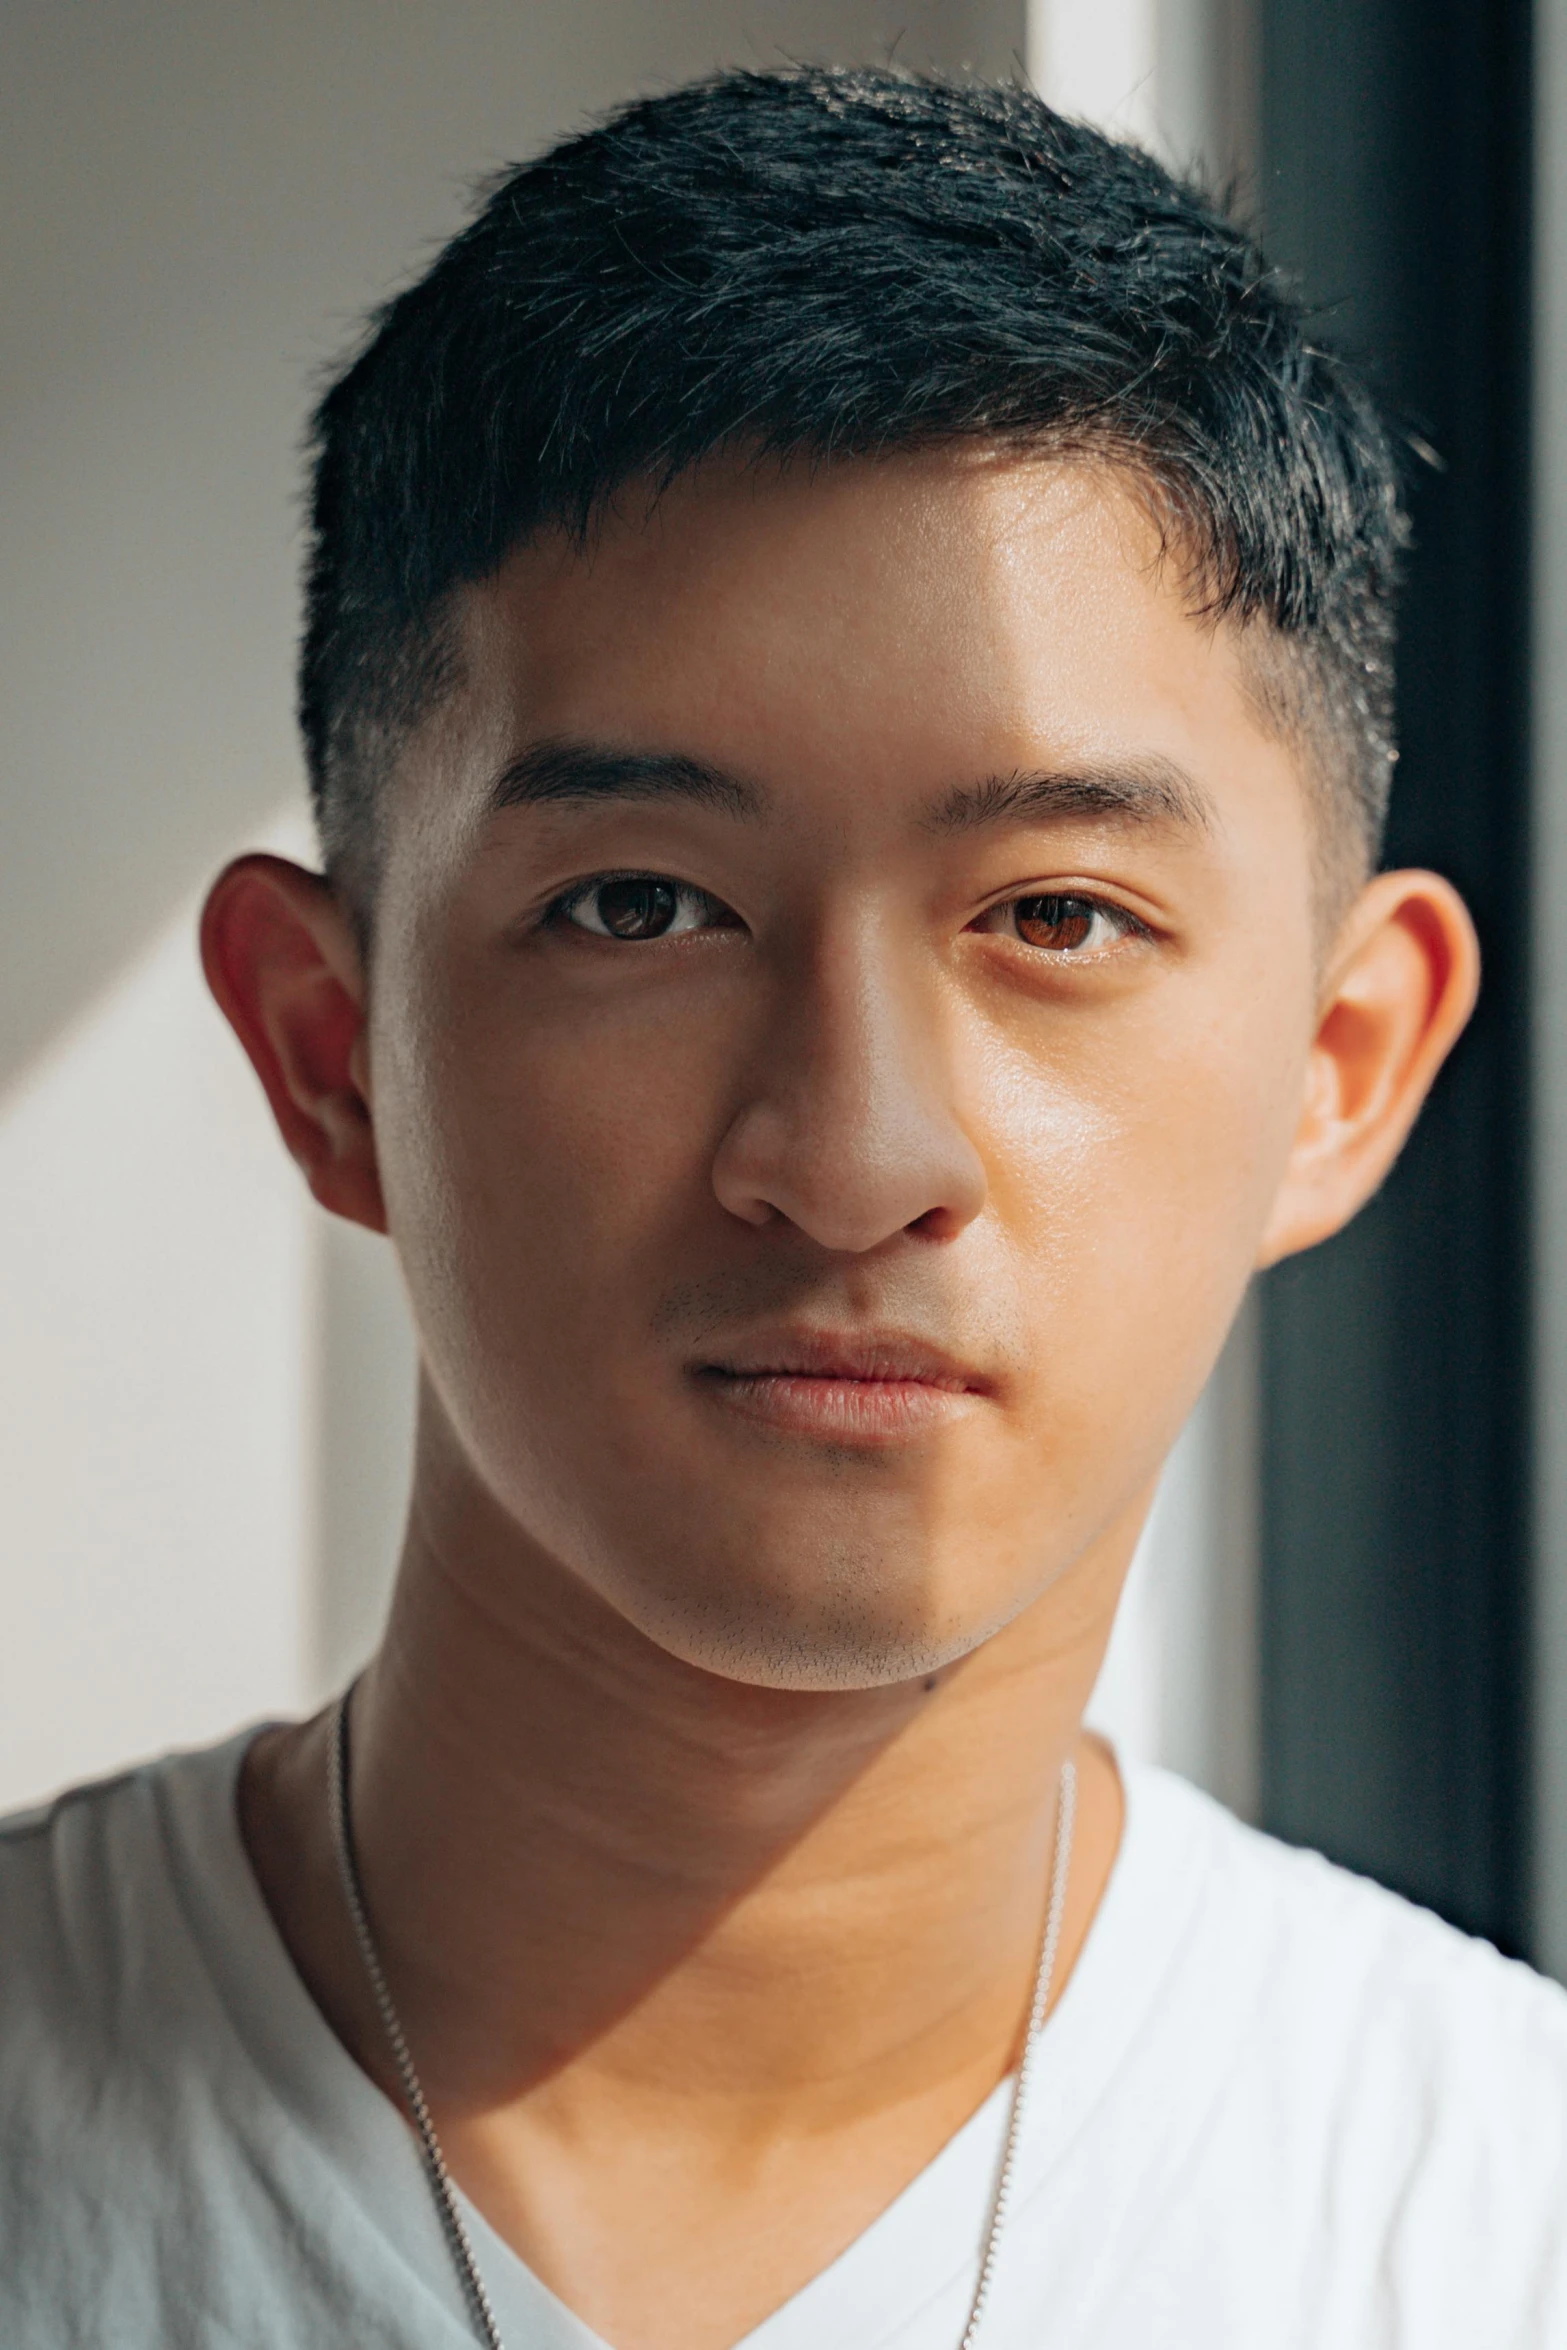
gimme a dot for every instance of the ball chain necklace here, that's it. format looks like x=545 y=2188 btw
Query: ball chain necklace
x=453 y=2227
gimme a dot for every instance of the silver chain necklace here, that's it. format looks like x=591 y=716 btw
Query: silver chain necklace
x=460 y=2244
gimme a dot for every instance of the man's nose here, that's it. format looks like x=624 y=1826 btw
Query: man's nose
x=850 y=1128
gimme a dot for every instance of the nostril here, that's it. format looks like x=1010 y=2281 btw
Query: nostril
x=936 y=1224
x=853 y=1133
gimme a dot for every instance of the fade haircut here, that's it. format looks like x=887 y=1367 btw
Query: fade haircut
x=818 y=264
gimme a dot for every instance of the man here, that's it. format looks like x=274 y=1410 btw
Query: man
x=847 y=690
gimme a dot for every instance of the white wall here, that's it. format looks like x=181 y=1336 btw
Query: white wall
x=1179 y=76
x=154 y=1329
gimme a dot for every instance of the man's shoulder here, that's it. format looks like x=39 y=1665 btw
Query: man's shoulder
x=1354 y=1997
x=69 y=1869
x=1303 y=2106
x=107 y=1804
x=91 y=1906
x=1289 y=1899
x=162 y=2182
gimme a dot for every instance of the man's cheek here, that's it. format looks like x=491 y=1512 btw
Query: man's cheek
x=608 y=1109
x=1129 y=1209
x=1042 y=1127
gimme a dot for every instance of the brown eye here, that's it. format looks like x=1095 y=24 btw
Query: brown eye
x=641 y=906
x=1062 y=925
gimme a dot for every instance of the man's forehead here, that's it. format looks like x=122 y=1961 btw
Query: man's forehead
x=918 y=510
x=1030 y=662
x=938 y=646
x=941 y=593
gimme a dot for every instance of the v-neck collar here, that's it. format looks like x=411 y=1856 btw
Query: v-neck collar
x=904 y=2279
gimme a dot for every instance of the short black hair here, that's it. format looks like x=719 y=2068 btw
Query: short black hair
x=825 y=263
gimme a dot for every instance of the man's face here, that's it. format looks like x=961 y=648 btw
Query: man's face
x=843 y=983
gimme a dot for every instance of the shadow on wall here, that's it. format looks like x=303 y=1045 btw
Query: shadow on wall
x=206 y=1393
x=155 y=1309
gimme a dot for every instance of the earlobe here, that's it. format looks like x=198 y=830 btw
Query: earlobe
x=281 y=959
x=1401 y=985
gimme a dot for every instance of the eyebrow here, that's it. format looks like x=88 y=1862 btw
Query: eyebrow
x=1143 y=790
x=563 y=770
x=1146 y=790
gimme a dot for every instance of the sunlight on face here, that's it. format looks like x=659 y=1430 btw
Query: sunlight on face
x=843 y=982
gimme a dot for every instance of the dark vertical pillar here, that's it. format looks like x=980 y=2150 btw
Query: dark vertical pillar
x=1394 y=173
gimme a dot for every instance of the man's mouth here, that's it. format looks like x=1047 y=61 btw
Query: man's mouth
x=843 y=1387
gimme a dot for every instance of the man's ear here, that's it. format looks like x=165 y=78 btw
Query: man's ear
x=281 y=958
x=1400 y=985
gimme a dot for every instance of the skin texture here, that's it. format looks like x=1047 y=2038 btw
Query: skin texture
x=808 y=1298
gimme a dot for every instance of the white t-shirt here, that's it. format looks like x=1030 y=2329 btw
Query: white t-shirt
x=1274 y=2107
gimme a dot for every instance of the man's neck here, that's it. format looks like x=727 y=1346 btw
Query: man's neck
x=780 y=1942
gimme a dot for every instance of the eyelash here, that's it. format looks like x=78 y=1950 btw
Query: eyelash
x=1059 y=908
x=648 y=896
x=651 y=886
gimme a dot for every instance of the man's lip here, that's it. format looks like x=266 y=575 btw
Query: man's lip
x=881 y=1358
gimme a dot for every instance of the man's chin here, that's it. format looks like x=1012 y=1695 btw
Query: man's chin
x=808 y=1642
